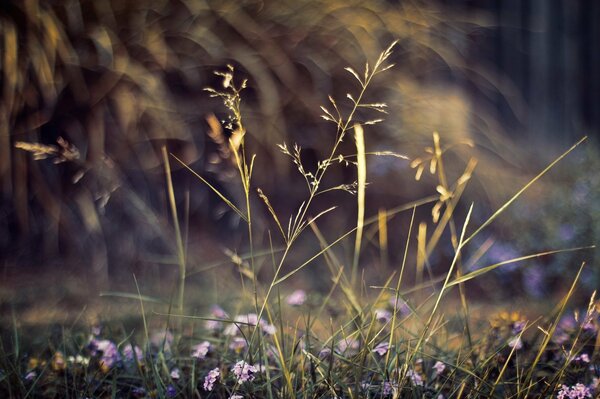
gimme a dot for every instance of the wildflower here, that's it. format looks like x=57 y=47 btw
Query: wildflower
x=139 y=392
x=236 y=397
x=348 y=345
x=171 y=391
x=399 y=305
x=217 y=312
x=518 y=326
x=515 y=343
x=200 y=350
x=296 y=298
x=383 y=315
x=584 y=358
x=133 y=353
x=260 y=368
x=415 y=377
x=175 y=373
x=211 y=378
x=577 y=391
x=30 y=375
x=269 y=329
x=108 y=352
x=325 y=352
x=237 y=344
x=381 y=348
x=243 y=372
x=439 y=367
x=96 y=330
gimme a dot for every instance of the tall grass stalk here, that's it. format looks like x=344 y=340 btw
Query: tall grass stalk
x=181 y=258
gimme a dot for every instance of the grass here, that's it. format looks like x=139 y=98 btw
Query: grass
x=358 y=339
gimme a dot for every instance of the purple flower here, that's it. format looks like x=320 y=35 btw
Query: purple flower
x=200 y=350
x=296 y=298
x=577 y=391
x=107 y=350
x=348 y=346
x=175 y=374
x=518 y=326
x=171 y=391
x=439 y=367
x=381 y=348
x=211 y=378
x=217 y=312
x=30 y=375
x=236 y=397
x=133 y=352
x=399 y=305
x=415 y=377
x=383 y=315
x=237 y=344
x=325 y=352
x=516 y=343
x=96 y=330
x=244 y=372
x=583 y=358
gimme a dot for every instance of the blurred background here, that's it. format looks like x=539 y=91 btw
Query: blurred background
x=117 y=80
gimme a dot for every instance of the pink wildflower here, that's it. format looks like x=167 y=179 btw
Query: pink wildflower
x=296 y=298
x=200 y=350
x=415 y=377
x=244 y=372
x=577 y=391
x=383 y=315
x=237 y=344
x=132 y=353
x=382 y=348
x=218 y=313
x=439 y=367
x=211 y=378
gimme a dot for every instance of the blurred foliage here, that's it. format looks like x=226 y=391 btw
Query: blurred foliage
x=120 y=79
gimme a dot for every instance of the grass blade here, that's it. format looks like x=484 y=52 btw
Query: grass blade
x=361 y=162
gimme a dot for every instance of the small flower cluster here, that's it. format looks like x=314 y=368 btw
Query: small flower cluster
x=577 y=391
x=244 y=372
x=211 y=379
x=200 y=350
x=296 y=298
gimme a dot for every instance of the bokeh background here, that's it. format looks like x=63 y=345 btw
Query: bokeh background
x=520 y=80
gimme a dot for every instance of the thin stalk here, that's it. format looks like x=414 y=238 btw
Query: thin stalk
x=181 y=258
